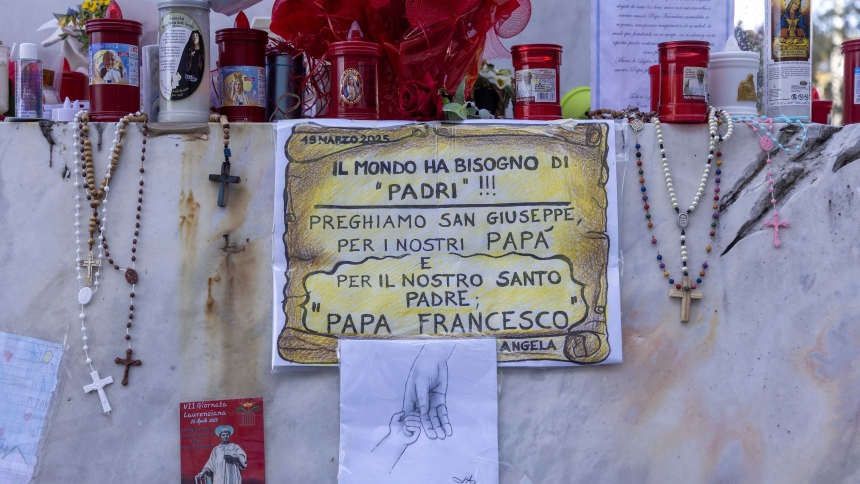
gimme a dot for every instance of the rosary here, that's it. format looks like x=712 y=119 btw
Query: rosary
x=685 y=290
x=767 y=143
x=98 y=197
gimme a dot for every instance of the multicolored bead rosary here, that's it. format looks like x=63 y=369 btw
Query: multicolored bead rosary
x=767 y=143
x=686 y=290
x=99 y=198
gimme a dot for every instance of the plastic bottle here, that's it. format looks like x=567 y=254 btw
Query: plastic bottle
x=28 y=83
x=788 y=58
x=4 y=78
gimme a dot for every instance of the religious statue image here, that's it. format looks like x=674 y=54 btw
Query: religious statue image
x=350 y=90
x=235 y=92
x=111 y=69
x=226 y=462
x=695 y=85
x=191 y=65
x=791 y=29
x=746 y=89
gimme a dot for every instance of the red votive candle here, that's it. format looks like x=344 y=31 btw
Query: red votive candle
x=684 y=81
x=654 y=72
x=242 y=54
x=536 y=80
x=114 y=65
x=354 y=74
x=851 y=86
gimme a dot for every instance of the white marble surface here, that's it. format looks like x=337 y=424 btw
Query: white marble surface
x=762 y=386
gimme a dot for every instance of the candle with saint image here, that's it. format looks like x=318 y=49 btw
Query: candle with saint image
x=683 y=81
x=114 y=66
x=242 y=60
x=183 y=61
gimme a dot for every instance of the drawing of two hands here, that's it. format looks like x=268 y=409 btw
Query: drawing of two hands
x=424 y=404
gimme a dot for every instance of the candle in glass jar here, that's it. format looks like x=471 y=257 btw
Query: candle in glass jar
x=242 y=60
x=354 y=71
x=851 y=89
x=183 y=60
x=114 y=65
x=536 y=76
x=683 y=81
x=654 y=75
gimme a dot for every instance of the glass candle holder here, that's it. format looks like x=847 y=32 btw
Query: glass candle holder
x=536 y=81
x=851 y=89
x=242 y=60
x=354 y=77
x=183 y=61
x=683 y=81
x=654 y=73
x=114 y=59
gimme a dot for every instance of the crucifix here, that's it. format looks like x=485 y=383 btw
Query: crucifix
x=686 y=294
x=127 y=362
x=89 y=263
x=224 y=178
x=776 y=224
x=99 y=385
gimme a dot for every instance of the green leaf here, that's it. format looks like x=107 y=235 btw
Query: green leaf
x=255 y=408
x=456 y=109
x=241 y=410
x=461 y=92
x=472 y=110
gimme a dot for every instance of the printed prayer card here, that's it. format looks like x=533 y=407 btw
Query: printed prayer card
x=221 y=441
x=418 y=412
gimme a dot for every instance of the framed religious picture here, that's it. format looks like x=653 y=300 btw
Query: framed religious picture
x=221 y=442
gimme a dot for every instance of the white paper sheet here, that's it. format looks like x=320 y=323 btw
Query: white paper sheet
x=379 y=379
x=28 y=378
x=624 y=39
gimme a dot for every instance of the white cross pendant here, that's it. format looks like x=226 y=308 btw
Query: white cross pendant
x=99 y=385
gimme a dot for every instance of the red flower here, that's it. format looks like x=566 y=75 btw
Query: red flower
x=420 y=100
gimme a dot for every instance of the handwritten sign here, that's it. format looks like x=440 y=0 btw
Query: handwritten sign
x=626 y=36
x=460 y=231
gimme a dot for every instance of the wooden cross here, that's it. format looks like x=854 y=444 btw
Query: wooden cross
x=224 y=178
x=686 y=294
x=99 y=385
x=89 y=263
x=776 y=224
x=127 y=362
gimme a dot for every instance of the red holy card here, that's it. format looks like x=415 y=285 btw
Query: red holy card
x=221 y=442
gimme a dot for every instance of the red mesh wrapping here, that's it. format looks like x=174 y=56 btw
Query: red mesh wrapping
x=443 y=38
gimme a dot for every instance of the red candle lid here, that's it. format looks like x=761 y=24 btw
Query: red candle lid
x=242 y=31
x=354 y=45
x=683 y=43
x=655 y=69
x=850 y=46
x=114 y=22
x=521 y=53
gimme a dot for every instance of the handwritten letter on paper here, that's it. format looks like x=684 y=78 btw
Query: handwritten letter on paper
x=625 y=34
x=448 y=231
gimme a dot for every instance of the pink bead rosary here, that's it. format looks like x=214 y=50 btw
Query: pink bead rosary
x=766 y=143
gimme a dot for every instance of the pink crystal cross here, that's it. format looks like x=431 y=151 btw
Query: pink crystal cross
x=776 y=224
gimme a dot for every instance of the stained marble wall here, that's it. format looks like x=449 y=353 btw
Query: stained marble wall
x=762 y=386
